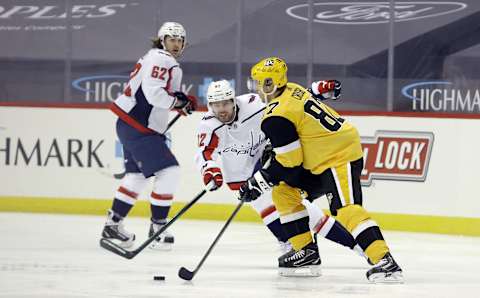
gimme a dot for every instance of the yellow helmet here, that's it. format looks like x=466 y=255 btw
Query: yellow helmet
x=268 y=72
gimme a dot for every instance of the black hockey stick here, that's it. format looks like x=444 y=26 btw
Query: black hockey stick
x=186 y=274
x=170 y=123
x=130 y=254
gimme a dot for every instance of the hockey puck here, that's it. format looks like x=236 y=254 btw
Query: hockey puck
x=158 y=277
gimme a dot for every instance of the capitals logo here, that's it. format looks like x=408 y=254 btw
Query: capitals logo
x=396 y=155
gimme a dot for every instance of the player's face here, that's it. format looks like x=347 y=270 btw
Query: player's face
x=173 y=45
x=266 y=91
x=224 y=110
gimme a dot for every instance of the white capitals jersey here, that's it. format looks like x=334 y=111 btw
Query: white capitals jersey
x=236 y=148
x=148 y=98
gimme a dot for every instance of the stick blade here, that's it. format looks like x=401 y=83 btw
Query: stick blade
x=116 y=249
x=185 y=274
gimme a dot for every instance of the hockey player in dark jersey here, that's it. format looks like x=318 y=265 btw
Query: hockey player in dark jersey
x=319 y=152
x=230 y=149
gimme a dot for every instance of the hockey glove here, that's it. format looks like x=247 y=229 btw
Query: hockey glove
x=214 y=174
x=254 y=187
x=267 y=155
x=322 y=90
x=184 y=104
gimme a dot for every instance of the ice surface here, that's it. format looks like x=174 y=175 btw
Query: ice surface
x=58 y=256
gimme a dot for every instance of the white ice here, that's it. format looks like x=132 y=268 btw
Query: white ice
x=59 y=256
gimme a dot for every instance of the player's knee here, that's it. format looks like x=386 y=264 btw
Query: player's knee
x=286 y=197
x=166 y=180
x=134 y=182
x=351 y=216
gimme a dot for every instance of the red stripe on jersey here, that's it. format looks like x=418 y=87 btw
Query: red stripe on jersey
x=208 y=151
x=267 y=211
x=320 y=225
x=129 y=120
x=162 y=197
x=127 y=192
x=128 y=91
x=235 y=185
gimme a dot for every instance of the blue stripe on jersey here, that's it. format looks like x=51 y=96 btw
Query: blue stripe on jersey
x=141 y=111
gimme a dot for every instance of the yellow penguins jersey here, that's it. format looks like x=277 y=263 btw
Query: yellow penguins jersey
x=306 y=132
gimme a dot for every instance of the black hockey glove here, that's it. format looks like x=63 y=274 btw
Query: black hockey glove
x=267 y=155
x=184 y=104
x=329 y=89
x=254 y=187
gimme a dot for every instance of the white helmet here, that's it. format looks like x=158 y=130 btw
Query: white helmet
x=172 y=29
x=220 y=91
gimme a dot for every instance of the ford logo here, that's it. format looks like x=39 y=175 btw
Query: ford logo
x=359 y=13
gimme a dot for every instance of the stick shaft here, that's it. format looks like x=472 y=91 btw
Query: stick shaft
x=129 y=254
x=218 y=237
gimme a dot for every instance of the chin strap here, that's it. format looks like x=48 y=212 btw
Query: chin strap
x=266 y=95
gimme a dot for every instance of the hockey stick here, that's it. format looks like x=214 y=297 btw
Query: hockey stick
x=170 y=123
x=186 y=274
x=130 y=254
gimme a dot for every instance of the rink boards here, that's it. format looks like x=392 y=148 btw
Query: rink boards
x=420 y=172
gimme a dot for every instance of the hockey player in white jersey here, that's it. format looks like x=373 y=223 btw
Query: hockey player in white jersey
x=230 y=148
x=143 y=111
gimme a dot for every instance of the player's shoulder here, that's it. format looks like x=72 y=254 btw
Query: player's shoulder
x=209 y=122
x=249 y=104
x=290 y=104
x=250 y=101
x=295 y=91
x=159 y=56
x=292 y=97
x=248 y=98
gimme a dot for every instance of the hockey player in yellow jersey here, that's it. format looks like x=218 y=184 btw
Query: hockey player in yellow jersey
x=319 y=152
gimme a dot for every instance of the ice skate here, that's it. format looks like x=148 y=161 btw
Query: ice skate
x=116 y=231
x=305 y=262
x=386 y=271
x=164 y=241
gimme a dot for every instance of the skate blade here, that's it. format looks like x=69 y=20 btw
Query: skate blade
x=123 y=244
x=381 y=278
x=161 y=246
x=306 y=271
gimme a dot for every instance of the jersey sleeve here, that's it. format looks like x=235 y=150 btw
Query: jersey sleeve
x=284 y=139
x=286 y=165
x=175 y=79
x=207 y=147
x=159 y=81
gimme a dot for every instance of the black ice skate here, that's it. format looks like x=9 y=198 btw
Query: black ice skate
x=115 y=231
x=305 y=262
x=162 y=242
x=386 y=271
